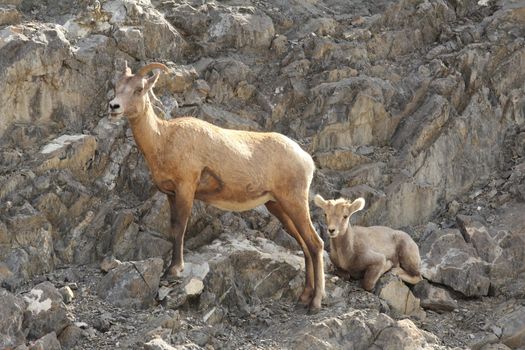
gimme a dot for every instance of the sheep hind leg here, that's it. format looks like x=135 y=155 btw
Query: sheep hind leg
x=308 y=291
x=298 y=211
x=409 y=269
x=405 y=276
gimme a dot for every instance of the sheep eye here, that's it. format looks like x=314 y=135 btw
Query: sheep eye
x=345 y=217
x=137 y=91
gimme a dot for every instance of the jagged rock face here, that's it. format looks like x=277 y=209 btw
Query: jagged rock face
x=415 y=105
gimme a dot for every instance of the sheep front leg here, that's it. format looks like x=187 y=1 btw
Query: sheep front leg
x=378 y=266
x=180 y=209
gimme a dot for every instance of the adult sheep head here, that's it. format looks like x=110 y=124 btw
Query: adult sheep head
x=132 y=91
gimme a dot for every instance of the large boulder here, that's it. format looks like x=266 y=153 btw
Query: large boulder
x=133 y=283
x=237 y=273
x=513 y=326
x=47 y=342
x=31 y=248
x=398 y=296
x=447 y=259
x=45 y=311
x=405 y=335
x=11 y=317
x=434 y=297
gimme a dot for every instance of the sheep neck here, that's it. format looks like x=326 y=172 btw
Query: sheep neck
x=344 y=242
x=146 y=128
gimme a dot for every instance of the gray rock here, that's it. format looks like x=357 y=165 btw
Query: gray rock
x=47 y=342
x=9 y=15
x=247 y=30
x=509 y=262
x=365 y=122
x=447 y=259
x=74 y=152
x=109 y=263
x=497 y=346
x=67 y=294
x=33 y=251
x=340 y=159
x=434 y=298
x=11 y=317
x=45 y=311
x=240 y=271
x=43 y=50
x=132 y=283
x=398 y=296
x=405 y=335
x=347 y=331
x=158 y=344
x=513 y=325
x=475 y=232
x=70 y=336
x=131 y=41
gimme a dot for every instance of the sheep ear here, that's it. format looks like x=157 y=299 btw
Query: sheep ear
x=352 y=207
x=319 y=201
x=358 y=204
x=150 y=82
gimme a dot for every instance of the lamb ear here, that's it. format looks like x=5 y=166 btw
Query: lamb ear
x=356 y=205
x=319 y=201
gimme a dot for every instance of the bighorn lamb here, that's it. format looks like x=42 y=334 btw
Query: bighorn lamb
x=230 y=169
x=369 y=251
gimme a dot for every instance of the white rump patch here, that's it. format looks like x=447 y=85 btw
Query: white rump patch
x=35 y=306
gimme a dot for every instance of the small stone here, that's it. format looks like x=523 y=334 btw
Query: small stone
x=109 y=263
x=70 y=336
x=73 y=286
x=163 y=292
x=158 y=344
x=102 y=324
x=47 y=342
x=214 y=316
x=67 y=294
x=194 y=287
x=453 y=208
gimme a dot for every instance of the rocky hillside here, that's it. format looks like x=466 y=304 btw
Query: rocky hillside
x=416 y=105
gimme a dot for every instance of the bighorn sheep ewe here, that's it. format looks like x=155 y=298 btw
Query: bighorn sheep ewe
x=371 y=251
x=230 y=169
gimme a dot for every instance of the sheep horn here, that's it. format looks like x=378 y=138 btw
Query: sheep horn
x=151 y=66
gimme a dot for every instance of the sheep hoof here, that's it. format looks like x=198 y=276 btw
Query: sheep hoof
x=315 y=306
x=313 y=310
x=173 y=273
